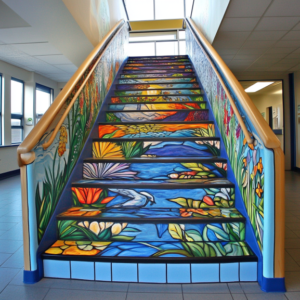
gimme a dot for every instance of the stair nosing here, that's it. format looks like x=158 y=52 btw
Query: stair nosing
x=163 y=123
x=150 y=78
x=193 y=138
x=153 y=102
x=143 y=83
x=163 y=95
x=157 y=110
x=145 y=90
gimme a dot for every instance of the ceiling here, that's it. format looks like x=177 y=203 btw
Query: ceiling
x=274 y=88
x=260 y=36
x=44 y=39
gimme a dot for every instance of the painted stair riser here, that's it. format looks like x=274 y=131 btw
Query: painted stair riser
x=157 y=106
x=158 y=61
x=160 y=71
x=174 y=98
x=154 y=170
x=150 y=232
x=107 y=197
x=150 y=130
x=176 y=148
x=156 y=215
x=158 y=57
x=157 y=116
x=179 y=250
x=178 y=67
x=159 y=92
x=156 y=86
x=157 y=75
x=156 y=80
x=151 y=63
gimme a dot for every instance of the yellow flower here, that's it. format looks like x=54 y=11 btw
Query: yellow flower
x=259 y=190
x=107 y=150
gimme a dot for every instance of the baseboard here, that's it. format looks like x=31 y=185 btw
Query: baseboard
x=31 y=277
x=9 y=174
x=271 y=285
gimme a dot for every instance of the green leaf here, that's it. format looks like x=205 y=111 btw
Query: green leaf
x=194 y=234
x=122 y=238
x=220 y=234
x=175 y=231
x=128 y=229
x=181 y=201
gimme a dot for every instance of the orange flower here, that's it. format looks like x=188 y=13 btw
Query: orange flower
x=207 y=200
x=87 y=195
x=188 y=212
x=106 y=200
x=260 y=166
x=245 y=161
x=259 y=190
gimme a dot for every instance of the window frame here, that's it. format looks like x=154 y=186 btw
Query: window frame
x=44 y=89
x=18 y=116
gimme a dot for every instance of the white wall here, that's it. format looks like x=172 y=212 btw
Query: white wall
x=8 y=155
x=208 y=15
x=263 y=101
x=297 y=116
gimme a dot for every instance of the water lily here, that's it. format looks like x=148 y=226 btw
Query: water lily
x=97 y=228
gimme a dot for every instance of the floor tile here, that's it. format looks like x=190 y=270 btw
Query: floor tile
x=266 y=296
x=207 y=297
x=294 y=253
x=239 y=297
x=60 y=294
x=251 y=287
x=290 y=263
x=6 y=275
x=16 y=260
x=206 y=288
x=18 y=280
x=4 y=257
x=153 y=296
x=90 y=285
x=293 y=295
x=154 y=288
x=235 y=288
x=292 y=281
x=7 y=225
x=23 y=292
x=292 y=243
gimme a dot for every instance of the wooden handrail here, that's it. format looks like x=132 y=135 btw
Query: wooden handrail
x=38 y=131
x=263 y=129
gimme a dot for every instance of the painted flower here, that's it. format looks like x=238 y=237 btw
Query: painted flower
x=63 y=139
x=87 y=195
x=259 y=190
x=238 y=131
x=260 y=166
x=97 y=228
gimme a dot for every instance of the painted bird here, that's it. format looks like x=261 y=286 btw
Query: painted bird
x=140 y=199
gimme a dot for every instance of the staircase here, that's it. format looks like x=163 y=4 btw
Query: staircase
x=154 y=203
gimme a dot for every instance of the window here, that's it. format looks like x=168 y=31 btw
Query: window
x=44 y=98
x=17 y=100
x=140 y=10
x=157 y=43
x=169 y=9
x=0 y=109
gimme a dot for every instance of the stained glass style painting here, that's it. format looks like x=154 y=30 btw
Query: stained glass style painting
x=154 y=71
x=156 y=130
x=147 y=75
x=156 y=67
x=157 y=106
x=162 y=116
x=159 y=80
x=159 y=170
x=153 y=61
x=159 y=92
x=132 y=99
x=163 y=148
x=156 y=86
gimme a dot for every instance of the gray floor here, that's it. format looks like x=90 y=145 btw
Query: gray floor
x=11 y=263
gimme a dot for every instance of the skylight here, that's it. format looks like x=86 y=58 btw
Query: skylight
x=140 y=10
x=258 y=86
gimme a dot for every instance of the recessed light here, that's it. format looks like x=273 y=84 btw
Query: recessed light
x=258 y=86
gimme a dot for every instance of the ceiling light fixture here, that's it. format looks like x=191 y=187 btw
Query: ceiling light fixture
x=258 y=86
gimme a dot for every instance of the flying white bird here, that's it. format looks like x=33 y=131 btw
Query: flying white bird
x=140 y=199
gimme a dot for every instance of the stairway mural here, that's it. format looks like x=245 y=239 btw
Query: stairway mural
x=154 y=202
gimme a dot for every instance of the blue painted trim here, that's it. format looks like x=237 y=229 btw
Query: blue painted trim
x=33 y=238
x=31 y=277
x=271 y=285
x=269 y=215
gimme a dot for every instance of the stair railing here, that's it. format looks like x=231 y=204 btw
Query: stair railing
x=273 y=253
x=89 y=94
x=24 y=155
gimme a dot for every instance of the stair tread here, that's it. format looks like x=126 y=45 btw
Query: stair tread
x=189 y=138
x=151 y=251
x=157 y=183
x=158 y=215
